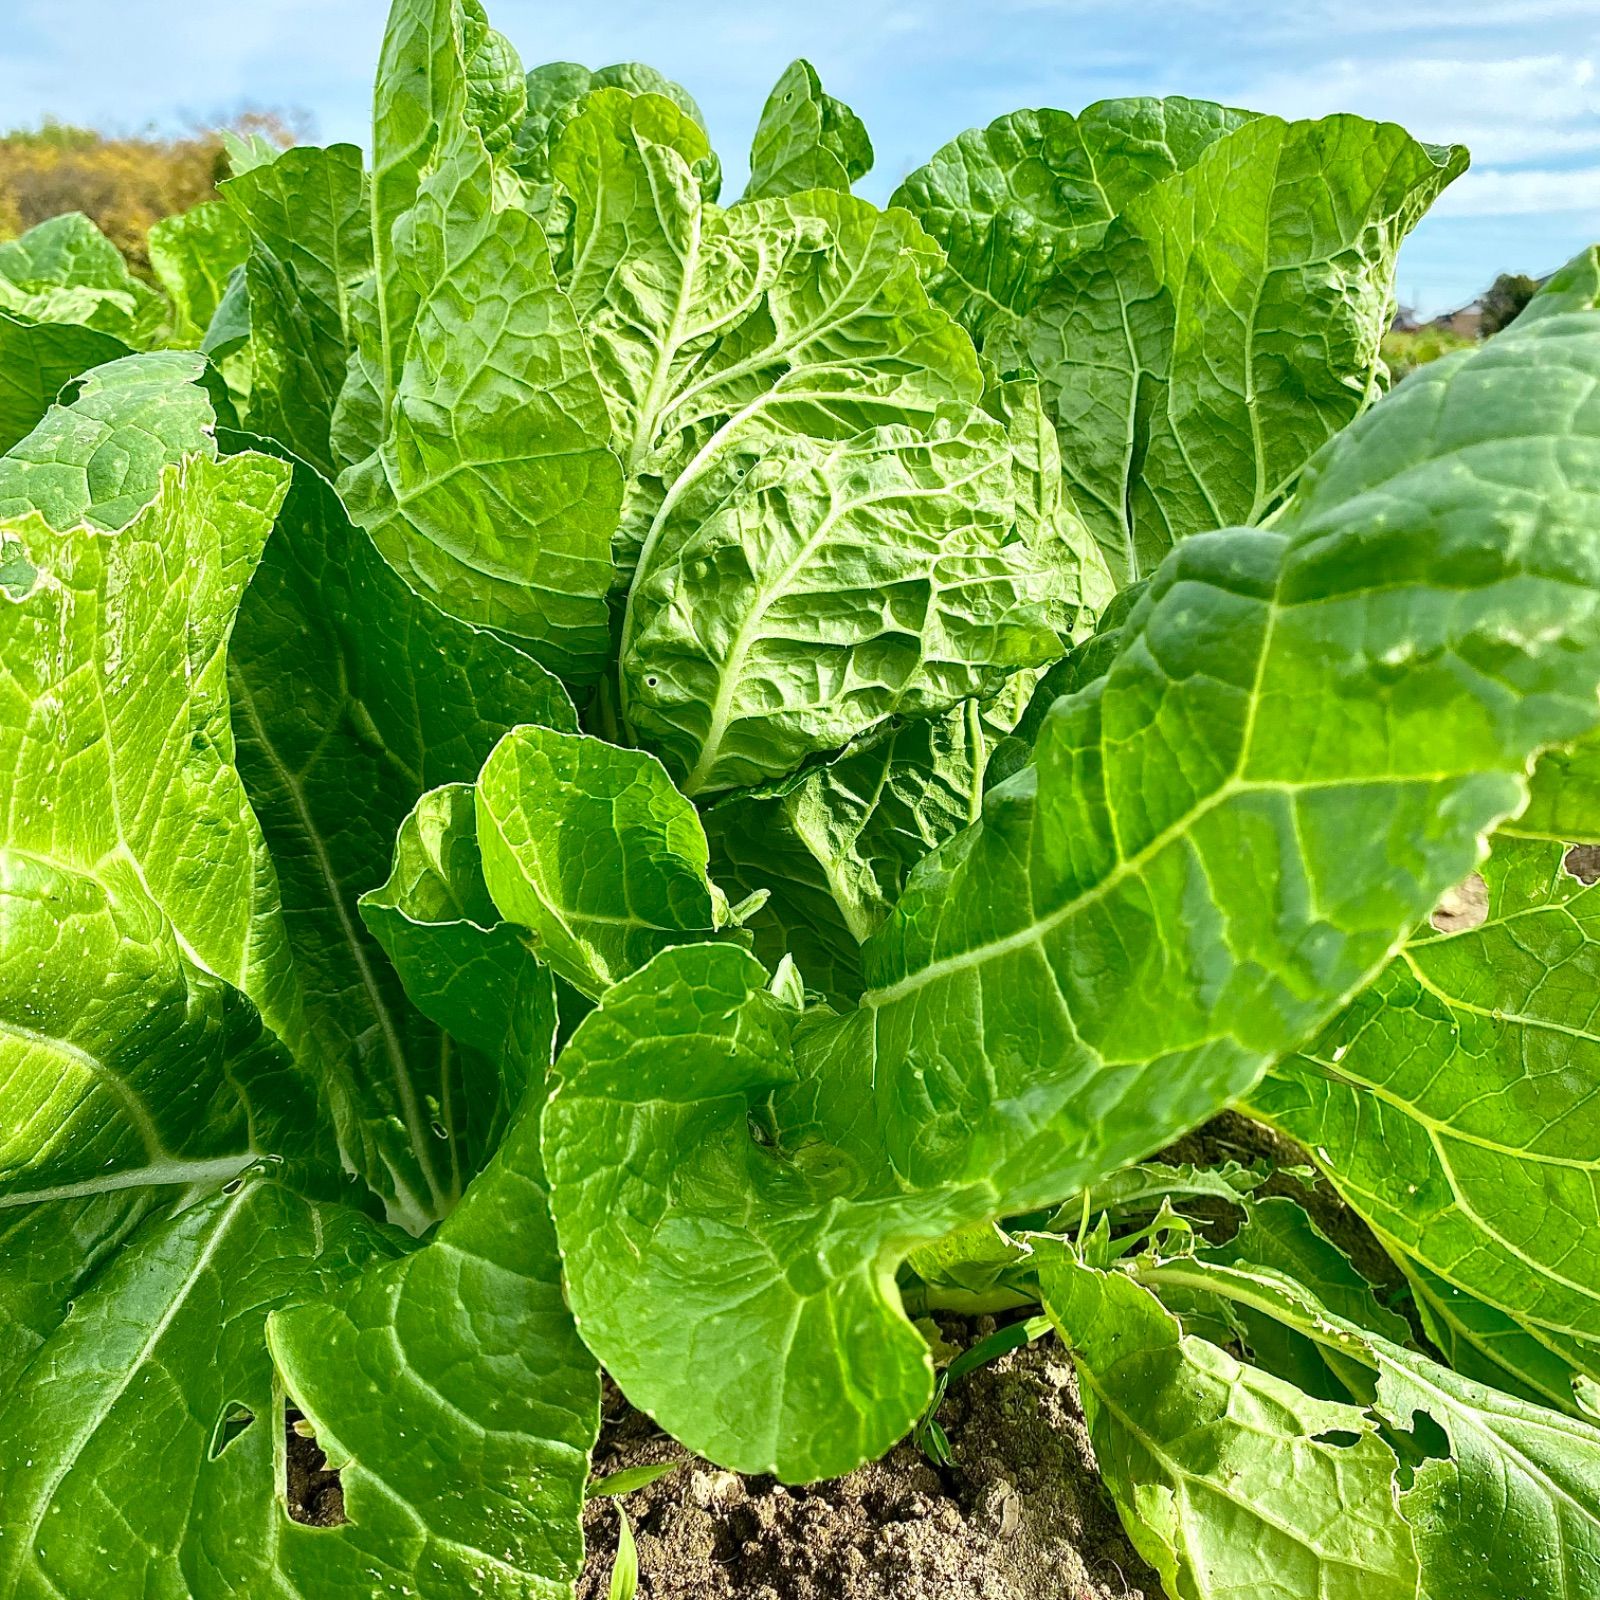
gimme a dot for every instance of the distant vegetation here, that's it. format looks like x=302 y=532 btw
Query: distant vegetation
x=125 y=184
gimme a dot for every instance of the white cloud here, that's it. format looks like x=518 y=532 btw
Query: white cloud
x=1486 y=193
x=1516 y=108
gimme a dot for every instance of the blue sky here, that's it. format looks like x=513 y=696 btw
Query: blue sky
x=1518 y=81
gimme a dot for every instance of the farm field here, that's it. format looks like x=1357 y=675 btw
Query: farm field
x=747 y=896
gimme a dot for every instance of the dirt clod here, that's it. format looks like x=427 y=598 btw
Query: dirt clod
x=1020 y=1515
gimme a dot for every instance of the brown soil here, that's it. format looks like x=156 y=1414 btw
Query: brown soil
x=1020 y=1515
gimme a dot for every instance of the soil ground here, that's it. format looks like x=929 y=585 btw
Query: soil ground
x=1019 y=1515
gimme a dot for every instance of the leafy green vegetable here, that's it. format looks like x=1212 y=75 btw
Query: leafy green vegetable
x=470 y=430
x=534 y=550
x=1095 y=966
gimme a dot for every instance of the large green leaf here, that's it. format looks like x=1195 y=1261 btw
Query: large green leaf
x=1503 y=1496
x=1454 y=1103
x=590 y=848
x=1227 y=325
x=464 y=1443
x=1011 y=203
x=1353 y=695
x=829 y=588
x=806 y=139
x=154 y=1361
x=310 y=245
x=36 y=361
x=114 y=717
x=1229 y=1480
x=345 y=682
x=472 y=433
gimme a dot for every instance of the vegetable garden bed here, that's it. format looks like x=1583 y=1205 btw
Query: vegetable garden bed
x=602 y=781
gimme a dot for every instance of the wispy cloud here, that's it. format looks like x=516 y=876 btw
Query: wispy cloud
x=1521 y=194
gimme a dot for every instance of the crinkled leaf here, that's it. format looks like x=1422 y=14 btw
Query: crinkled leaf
x=1011 y=203
x=1352 y=695
x=711 y=330
x=827 y=589
x=1227 y=325
x=556 y=92
x=473 y=436
x=66 y=270
x=835 y=846
x=1453 y=1103
x=1565 y=803
x=806 y=139
x=98 y=458
x=590 y=848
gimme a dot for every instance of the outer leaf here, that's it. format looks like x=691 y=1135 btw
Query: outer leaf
x=806 y=139
x=310 y=244
x=347 y=683
x=1230 y=1481
x=1227 y=325
x=193 y=255
x=828 y=589
x=99 y=458
x=1013 y=202
x=467 y=1357
x=36 y=361
x=591 y=849
x=1453 y=1103
x=1508 y=1507
x=472 y=430
x=154 y=1355
x=1353 y=695
x=114 y=718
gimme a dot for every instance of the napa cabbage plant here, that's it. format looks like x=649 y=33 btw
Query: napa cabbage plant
x=598 y=778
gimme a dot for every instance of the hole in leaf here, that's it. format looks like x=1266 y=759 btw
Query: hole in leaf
x=1463 y=908
x=1583 y=862
x=234 y=1420
x=312 y=1490
x=1342 y=1437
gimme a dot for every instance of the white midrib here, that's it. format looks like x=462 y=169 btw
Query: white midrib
x=409 y=1107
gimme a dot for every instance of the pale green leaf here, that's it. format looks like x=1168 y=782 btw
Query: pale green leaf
x=193 y=255
x=1232 y=1483
x=1453 y=1103
x=1011 y=203
x=473 y=436
x=66 y=270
